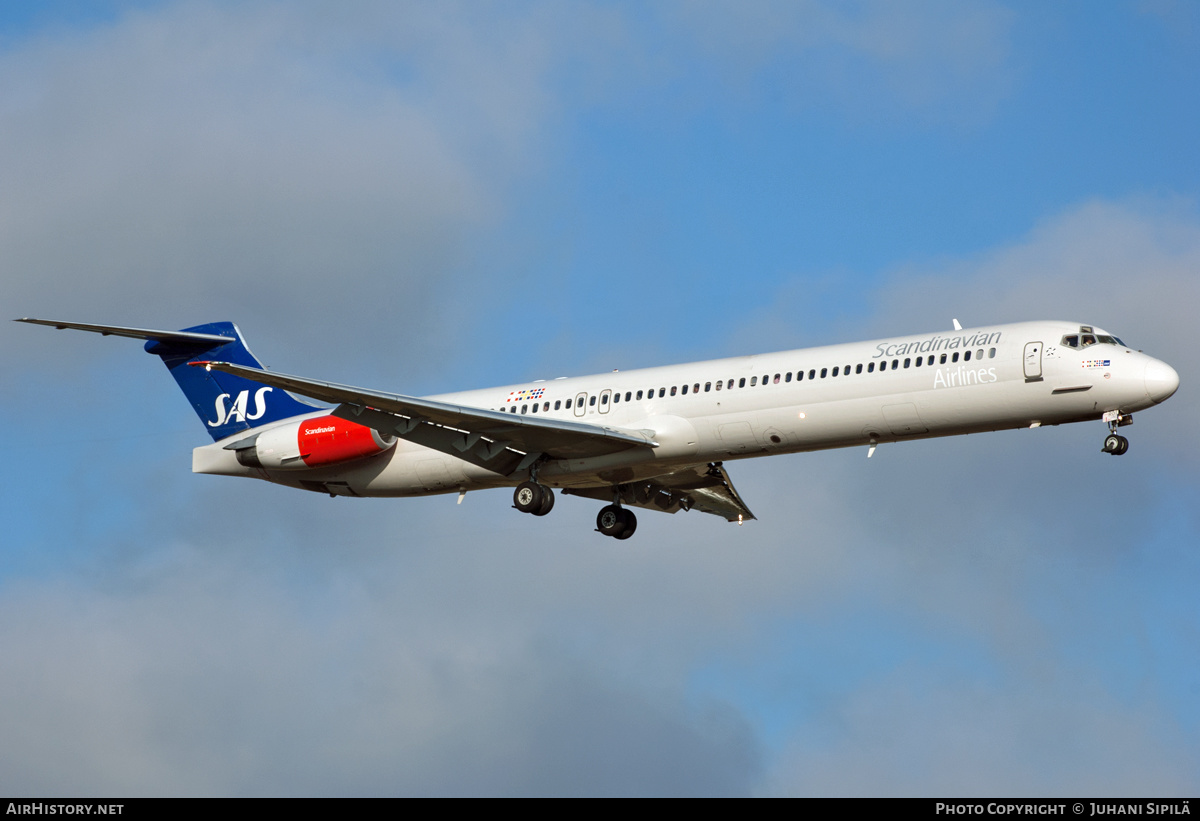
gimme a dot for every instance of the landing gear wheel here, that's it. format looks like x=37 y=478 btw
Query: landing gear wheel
x=528 y=497
x=1115 y=444
x=612 y=521
x=547 y=501
x=630 y=524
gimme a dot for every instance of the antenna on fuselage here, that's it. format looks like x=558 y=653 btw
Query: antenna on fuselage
x=957 y=327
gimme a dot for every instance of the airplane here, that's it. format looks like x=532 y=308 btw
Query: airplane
x=655 y=438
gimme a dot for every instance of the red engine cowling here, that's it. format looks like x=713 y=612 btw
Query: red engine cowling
x=310 y=443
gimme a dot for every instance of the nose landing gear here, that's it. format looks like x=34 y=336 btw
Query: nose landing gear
x=1114 y=443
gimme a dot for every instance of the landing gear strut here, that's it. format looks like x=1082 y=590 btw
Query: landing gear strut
x=530 y=497
x=1114 y=443
x=616 y=521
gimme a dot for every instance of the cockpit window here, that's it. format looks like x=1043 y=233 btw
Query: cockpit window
x=1088 y=336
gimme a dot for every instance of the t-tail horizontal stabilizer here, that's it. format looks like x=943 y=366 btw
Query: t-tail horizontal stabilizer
x=225 y=403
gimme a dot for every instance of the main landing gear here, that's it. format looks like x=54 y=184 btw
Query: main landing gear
x=616 y=521
x=613 y=520
x=530 y=497
x=1114 y=443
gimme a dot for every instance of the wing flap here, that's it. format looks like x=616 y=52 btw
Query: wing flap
x=706 y=488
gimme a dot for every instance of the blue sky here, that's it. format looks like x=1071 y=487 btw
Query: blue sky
x=425 y=198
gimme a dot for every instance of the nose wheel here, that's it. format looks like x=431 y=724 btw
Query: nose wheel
x=530 y=497
x=616 y=522
x=1115 y=444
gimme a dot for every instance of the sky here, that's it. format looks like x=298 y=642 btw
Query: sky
x=422 y=198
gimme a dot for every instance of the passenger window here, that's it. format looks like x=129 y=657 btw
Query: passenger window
x=558 y=404
x=742 y=382
x=846 y=371
x=604 y=398
x=799 y=376
x=708 y=387
x=858 y=368
x=672 y=390
x=787 y=377
x=684 y=390
x=639 y=395
x=719 y=384
x=662 y=392
x=870 y=367
x=967 y=356
x=812 y=373
x=753 y=381
x=906 y=361
x=592 y=402
x=991 y=353
x=954 y=358
x=524 y=408
x=895 y=364
x=535 y=407
x=776 y=379
x=628 y=394
x=568 y=403
x=729 y=384
x=835 y=371
x=824 y=372
x=696 y=388
x=766 y=378
x=979 y=354
x=919 y=359
x=942 y=360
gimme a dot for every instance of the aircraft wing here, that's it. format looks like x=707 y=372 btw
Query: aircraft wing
x=706 y=488
x=497 y=441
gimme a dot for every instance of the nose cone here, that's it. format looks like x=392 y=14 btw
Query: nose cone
x=1161 y=380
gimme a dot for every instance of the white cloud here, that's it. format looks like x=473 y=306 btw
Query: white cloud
x=200 y=161
x=914 y=733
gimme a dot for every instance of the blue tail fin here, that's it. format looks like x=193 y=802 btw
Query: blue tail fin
x=225 y=403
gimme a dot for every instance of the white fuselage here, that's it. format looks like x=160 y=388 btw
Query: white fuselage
x=886 y=390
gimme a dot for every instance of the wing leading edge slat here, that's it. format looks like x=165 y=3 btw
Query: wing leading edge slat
x=457 y=430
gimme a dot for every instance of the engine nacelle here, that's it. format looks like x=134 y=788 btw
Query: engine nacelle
x=312 y=443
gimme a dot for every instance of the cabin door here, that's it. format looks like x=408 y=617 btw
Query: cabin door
x=1033 y=361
